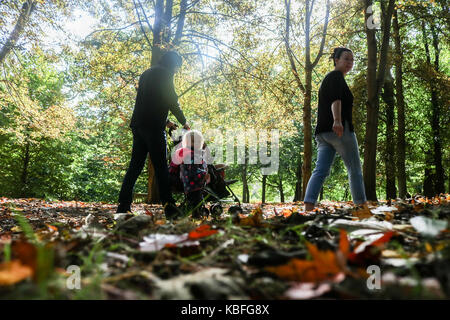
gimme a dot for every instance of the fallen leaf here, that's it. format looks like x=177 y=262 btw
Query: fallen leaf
x=52 y=228
x=13 y=272
x=323 y=266
x=255 y=219
x=286 y=213
x=26 y=253
x=428 y=227
x=201 y=232
x=369 y=252
x=157 y=241
x=363 y=213
x=310 y=290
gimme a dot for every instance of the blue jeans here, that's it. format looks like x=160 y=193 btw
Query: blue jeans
x=328 y=143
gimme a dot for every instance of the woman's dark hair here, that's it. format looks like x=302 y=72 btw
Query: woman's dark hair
x=171 y=59
x=337 y=52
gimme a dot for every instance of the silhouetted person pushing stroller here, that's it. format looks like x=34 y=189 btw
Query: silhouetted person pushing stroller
x=156 y=96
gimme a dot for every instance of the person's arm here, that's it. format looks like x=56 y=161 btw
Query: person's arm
x=335 y=92
x=171 y=98
x=336 y=108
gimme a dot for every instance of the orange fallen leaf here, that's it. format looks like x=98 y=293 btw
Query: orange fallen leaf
x=344 y=244
x=255 y=219
x=13 y=272
x=286 y=213
x=53 y=228
x=388 y=216
x=369 y=253
x=323 y=266
x=26 y=253
x=201 y=232
x=363 y=213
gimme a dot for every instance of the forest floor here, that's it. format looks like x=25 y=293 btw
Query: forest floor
x=77 y=250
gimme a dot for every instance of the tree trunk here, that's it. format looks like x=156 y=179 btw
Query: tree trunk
x=307 y=88
x=161 y=36
x=438 y=175
x=264 y=183
x=388 y=97
x=428 y=185
x=401 y=143
x=375 y=81
x=298 y=183
x=437 y=143
x=307 y=131
x=280 y=188
x=24 y=176
x=245 y=191
x=27 y=8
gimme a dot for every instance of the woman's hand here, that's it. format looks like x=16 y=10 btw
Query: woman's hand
x=338 y=128
x=171 y=125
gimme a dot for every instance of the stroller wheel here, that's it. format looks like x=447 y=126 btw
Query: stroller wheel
x=235 y=210
x=216 y=209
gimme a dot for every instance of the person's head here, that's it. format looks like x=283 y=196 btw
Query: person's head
x=342 y=59
x=193 y=139
x=171 y=60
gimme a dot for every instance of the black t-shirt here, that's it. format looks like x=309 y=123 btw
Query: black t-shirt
x=333 y=88
x=155 y=97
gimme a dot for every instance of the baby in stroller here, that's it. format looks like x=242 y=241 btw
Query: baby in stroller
x=191 y=172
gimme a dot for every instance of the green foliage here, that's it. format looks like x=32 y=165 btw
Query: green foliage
x=64 y=114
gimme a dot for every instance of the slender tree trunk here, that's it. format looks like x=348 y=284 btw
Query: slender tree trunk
x=428 y=182
x=307 y=88
x=375 y=81
x=27 y=8
x=245 y=191
x=388 y=97
x=370 y=141
x=298 y=184
x=437 y=143
x=438 y=175
x=307 y=131
x=264 y=183
x=280 y=188
x=401 y=143
x=24 y=176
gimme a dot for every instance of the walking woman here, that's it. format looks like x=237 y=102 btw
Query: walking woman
x=334 y=131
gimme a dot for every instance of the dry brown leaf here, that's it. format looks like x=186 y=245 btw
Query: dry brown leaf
x=363 y=213
x=255 y=219
x=324 y=266
x=13 y=272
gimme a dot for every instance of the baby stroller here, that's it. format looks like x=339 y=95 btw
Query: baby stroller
x=215 y=192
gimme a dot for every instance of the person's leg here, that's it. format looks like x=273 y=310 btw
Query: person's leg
x=194 y=203
x=325 y=157
x=157 y=149
x=347 y=148
x=138 y=156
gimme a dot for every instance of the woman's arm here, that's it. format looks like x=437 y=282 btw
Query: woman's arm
x=336 y=107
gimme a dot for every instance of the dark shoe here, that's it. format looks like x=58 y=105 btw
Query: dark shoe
x=171 y=211
x=123 y=209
